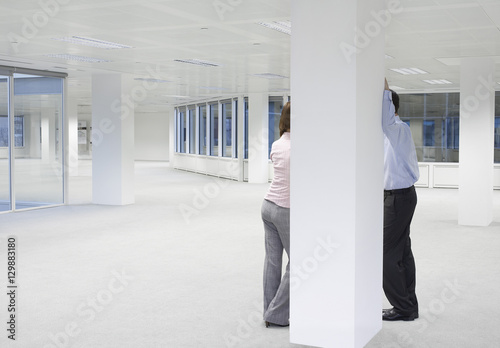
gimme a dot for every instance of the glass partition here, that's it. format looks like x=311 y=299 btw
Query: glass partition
x=38 y=150
x=275 y=107
x=214 y=129
x=227 y=131
x=203 y=130
x=5 y=203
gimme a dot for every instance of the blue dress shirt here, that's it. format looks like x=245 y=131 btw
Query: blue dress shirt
x=400 y=157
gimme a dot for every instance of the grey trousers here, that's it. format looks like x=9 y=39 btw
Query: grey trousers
x=276 y=288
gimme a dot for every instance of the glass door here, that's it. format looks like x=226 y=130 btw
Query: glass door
x=5 y=203
x=38 y=151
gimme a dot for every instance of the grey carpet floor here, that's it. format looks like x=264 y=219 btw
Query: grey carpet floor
x=182 y=267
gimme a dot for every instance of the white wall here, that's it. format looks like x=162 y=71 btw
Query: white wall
x=151 y=136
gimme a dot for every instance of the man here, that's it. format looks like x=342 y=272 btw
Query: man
x=400 y=200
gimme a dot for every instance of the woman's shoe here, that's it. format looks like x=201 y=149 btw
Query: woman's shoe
x=269 y=324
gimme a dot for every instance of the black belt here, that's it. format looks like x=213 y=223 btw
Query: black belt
x=399 y=191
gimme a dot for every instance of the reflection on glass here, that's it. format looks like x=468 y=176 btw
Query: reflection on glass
x=4 y=143
x=434 y=124
x=203 y=130
x=245 y=130
x=182 y=131
x=227 y=111
x=192 y=130
x=38 y=109
x=214 y=129
x=275 y=106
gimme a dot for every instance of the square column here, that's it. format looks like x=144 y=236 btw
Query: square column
x=476 y=157
x=337 y=82
x=112 y=140
x=258 y=115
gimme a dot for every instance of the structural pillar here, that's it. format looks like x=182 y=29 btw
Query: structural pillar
x=337 y=82
x=112 y=140
x=476 y=157
x=258 y=159
x=72 y=131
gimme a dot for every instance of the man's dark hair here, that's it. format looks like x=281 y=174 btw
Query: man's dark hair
x=395 y=100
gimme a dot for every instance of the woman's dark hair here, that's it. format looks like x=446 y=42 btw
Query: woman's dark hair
x=285 y=119
x=395 y=100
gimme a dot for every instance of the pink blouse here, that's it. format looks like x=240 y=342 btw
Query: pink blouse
x=279 y=191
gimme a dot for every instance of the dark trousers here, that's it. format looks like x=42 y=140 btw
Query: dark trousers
x=399 y=266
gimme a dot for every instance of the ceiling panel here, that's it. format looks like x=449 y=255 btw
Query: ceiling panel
x=161 y=31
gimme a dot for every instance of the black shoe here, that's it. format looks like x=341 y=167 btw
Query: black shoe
x=392 y=315
x=269 y=324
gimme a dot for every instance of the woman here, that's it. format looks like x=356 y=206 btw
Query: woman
x=276 y=217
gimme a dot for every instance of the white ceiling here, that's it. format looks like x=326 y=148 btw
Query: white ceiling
x=428 y=34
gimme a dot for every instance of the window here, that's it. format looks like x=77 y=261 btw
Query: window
x=434 y=122
x=182 y=130
x=203 y=130
x=214 y=129
x=429 y=127
x=192 y=129
x=227 y=128
x=275 y=107
x=245 y=130
x=18 y=131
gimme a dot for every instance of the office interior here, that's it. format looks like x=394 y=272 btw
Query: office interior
x=134 y=156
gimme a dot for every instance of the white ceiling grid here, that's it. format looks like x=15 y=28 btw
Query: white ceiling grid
x=428 y=34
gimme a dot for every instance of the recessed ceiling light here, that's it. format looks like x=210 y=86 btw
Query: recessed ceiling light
x=213 y=88
x=438 y=82
x=197 y=62
x=87 y=41
x=77 y=58
x=176 y=96
x=281 y=26
x=409 y=71
x=270 y=76
x=150 y=80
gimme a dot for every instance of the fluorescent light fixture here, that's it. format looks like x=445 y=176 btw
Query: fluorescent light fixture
x=438 y=82
x=284 y=27
x=213 y=88
x=388 y=57
x=77 y=58
x=87 y=41
x=409 y=71
x=176 y=96
x=151 y=80
x=270 y=76
x=397 y=88
x=197 y=62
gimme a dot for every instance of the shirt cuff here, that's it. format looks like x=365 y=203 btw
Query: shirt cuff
x=387 y=94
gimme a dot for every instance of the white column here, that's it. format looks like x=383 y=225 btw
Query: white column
x=171 y=136
x=241 y=137
x=112 y=140
x=48 y=130
x=336 y=171
x=477 y=117
x=72 y=134
x=258 y=129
